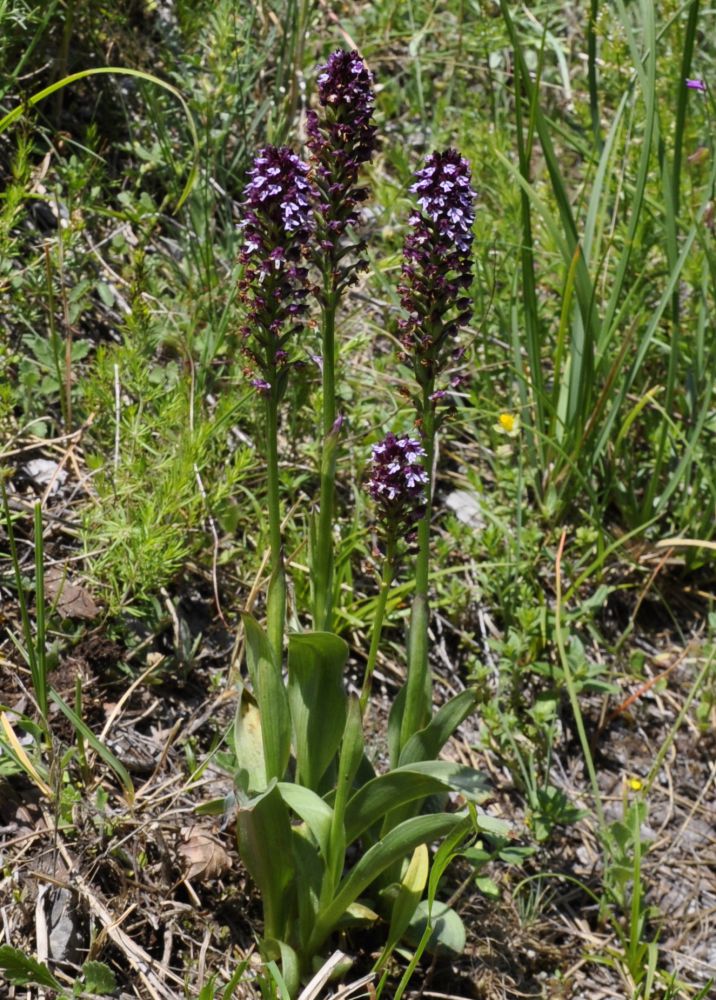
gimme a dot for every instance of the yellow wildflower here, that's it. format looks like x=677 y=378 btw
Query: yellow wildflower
x=508 y=423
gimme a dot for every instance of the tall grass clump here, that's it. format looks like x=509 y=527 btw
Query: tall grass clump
x=614 y=391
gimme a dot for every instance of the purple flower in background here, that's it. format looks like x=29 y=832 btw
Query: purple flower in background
x=341 y=137
x=277 y=223
x=696 y=85
x=437 y=264
x=398 y=482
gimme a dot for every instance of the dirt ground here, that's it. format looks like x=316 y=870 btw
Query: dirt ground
x=157 y=890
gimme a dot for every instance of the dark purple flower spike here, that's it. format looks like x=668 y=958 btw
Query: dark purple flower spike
x=437 y=266
x=341 y=137
x=277 y=223
x=397 y=483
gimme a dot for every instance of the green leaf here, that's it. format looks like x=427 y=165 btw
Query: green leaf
x=22 y=970
x=477 y=856
x=358 y=915
x=443 y=856
x=427 y=744
x=98 y=978
x=107 y=756
x=310 y=878
x=487 y=886
x=279 y=980
x=395 y=845
x=266 y=849
x=317 y=701
x=395 y=722
x=290 y=970
x=351 y=757
x=314 y=812
x=250 y=776
x=448 y=930
x=417 y=706
x=271 y=697
x=389 y=792
x=409 y=892
x=236 y=978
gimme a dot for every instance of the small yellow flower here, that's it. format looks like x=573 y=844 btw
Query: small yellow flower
x=508 y=424
x=636 y=784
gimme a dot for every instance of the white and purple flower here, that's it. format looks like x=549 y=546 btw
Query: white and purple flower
x=398 y=482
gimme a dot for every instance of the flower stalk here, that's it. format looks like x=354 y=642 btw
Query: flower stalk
x=340 y=138
x=436 y=274
x=398 y=484
x=389 y=565
x=277 y=224
x=418 y=688
x=276 y=598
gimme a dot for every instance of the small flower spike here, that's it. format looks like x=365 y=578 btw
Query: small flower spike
x=437 y=265
x=277 y=223
x=696 y=85
x=398 y=483
x=341 y=137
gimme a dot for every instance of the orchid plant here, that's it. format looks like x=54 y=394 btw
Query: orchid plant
x=306 y=788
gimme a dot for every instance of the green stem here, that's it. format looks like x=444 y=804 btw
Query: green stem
x=323 y=564
x=55 y=342
x=418 y=688
x=386 y=580
x=328 y=322
x=276 y=603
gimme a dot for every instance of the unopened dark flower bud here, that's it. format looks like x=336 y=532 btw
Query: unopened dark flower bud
x=398 y=483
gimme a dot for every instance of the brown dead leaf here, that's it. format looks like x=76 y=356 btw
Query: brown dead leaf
x=202 y=854
x=71 y=600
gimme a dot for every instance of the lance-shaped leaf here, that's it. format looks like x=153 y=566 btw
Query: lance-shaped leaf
x=314 y=812
x=317 y=701
x=270 y=694
x=250 y=774
x=310 y=875
x=389 y=792
x=428 y=742
x=286 y=954
x=406 y=901
x=394 y=846
x=266 y=848
x=395 y=721
x=349 y=762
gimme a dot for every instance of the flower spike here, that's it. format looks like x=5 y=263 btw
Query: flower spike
x=277 y=223
x=437 y=264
